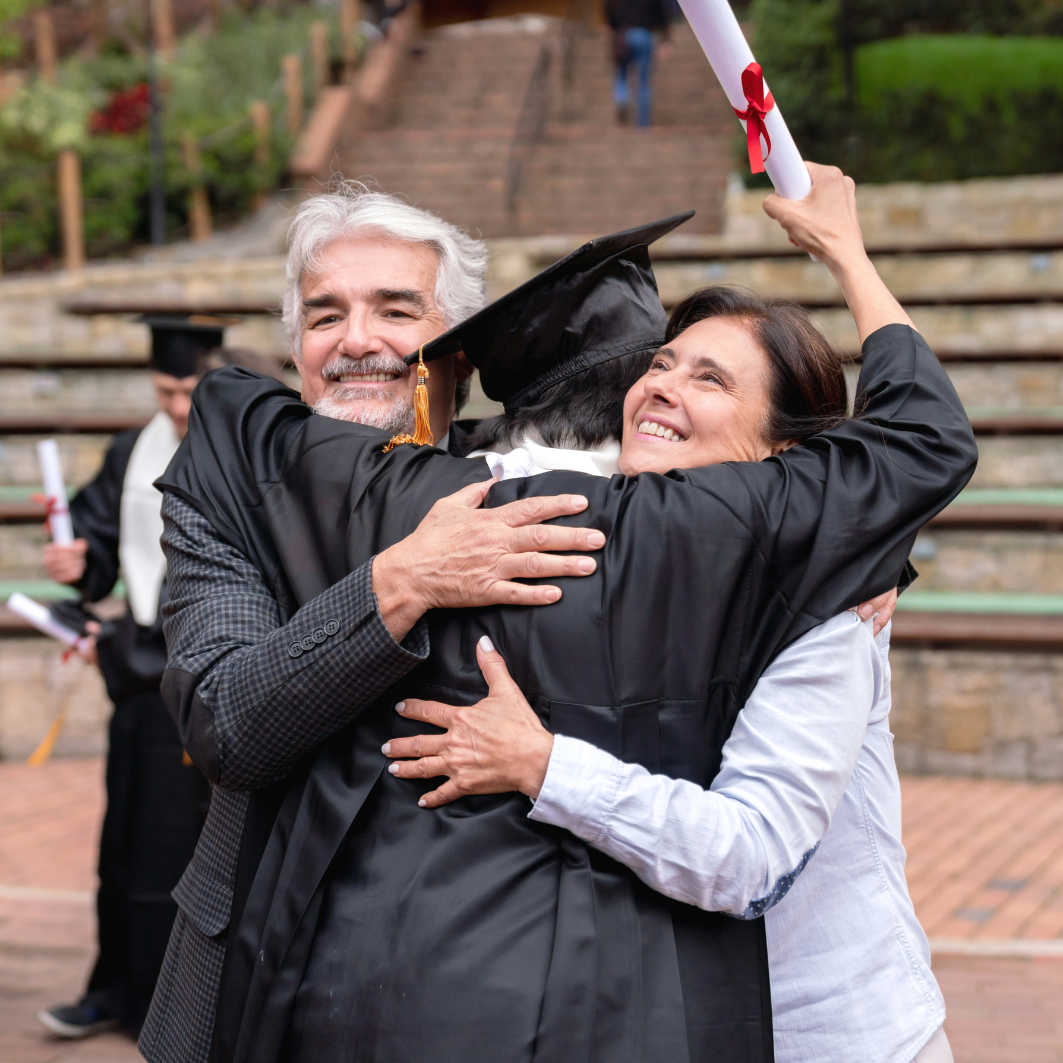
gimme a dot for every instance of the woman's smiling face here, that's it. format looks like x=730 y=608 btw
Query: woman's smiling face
x=705 y=399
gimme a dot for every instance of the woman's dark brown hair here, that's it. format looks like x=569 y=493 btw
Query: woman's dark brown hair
x=807 y=390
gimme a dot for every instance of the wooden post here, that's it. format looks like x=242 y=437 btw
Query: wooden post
x=319 y=55
x=45 y=33
x=199 y=220
x=349 y=14
x=292 y=66
x=260 y=118
x=97 y=24
x=162 y=27
x=69 y=180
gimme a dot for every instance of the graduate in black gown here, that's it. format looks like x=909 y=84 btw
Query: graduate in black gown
x=156 y=798
x=369 y=929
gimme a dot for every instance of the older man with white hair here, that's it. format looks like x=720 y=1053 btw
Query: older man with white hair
x=370 y=279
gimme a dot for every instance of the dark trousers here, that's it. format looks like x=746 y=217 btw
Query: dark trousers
x=155 y=808
x=638 y=52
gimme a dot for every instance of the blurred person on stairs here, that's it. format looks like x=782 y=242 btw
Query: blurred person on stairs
x=634 y=24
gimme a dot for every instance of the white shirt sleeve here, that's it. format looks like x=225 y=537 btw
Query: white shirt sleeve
x=739 y=846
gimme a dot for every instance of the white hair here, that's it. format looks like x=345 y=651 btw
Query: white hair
x=351 y=209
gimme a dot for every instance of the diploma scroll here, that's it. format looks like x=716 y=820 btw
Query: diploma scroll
x=55 y=491
x=721 y=38
x=41 y=618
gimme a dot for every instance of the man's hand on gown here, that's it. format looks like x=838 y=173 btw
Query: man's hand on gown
x=463 y=556
x=496 y=746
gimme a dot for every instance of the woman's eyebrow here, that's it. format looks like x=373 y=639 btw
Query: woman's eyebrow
x=703 y=361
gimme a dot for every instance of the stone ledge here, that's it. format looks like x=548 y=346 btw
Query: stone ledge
x=968 y=712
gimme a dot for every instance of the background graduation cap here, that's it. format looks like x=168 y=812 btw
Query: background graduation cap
x=596 y=304
x=179 y=342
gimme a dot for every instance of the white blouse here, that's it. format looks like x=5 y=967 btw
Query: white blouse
x=802 y=824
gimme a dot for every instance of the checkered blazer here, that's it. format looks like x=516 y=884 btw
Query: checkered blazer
x=251 y=697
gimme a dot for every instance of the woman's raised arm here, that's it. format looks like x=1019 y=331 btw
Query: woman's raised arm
x=826 y=224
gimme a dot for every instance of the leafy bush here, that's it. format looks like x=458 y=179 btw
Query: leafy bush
x=208 y=89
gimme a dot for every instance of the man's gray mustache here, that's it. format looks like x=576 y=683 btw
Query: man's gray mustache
x=371 y=363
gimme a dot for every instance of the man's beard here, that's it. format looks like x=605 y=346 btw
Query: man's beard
x=352 y=403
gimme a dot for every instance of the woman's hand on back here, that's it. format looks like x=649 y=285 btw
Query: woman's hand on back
x=497 y=746
x=826 y=224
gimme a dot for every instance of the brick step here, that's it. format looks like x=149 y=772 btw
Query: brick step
x=955 y=329
x=960 y=278
x=1019 y=462
x=1019 y=561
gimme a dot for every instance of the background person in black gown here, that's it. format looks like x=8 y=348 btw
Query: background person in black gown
x=156 y=799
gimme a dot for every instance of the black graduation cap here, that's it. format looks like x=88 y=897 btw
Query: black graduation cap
x=179 y=341
x=596 y=304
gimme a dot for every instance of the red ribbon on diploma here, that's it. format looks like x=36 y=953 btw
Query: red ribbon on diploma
x=51 y=506
x=753 y=115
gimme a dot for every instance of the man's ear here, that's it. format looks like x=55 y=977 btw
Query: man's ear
x=463 y=368
x=298 y=363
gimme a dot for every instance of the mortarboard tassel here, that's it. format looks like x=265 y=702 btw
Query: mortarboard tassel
x=422 y=430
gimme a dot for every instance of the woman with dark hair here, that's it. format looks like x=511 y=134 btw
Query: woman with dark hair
x=802 y=823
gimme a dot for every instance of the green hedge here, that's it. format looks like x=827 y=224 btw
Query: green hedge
x=924 y=107
x=964 y=69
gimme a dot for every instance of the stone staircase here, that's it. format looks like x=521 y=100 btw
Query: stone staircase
x=978 y=643
x=506 y=126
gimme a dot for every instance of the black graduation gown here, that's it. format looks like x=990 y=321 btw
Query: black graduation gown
x=367 y=929
x=155 y=801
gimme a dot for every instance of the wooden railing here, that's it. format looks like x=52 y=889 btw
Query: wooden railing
x=530 y=125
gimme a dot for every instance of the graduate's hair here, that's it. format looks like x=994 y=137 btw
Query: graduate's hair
x=582 y=411
x=807 y=392
x=350 y=208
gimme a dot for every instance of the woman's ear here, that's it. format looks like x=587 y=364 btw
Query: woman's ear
x=781 y=448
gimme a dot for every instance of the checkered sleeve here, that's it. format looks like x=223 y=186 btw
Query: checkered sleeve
x=250 y=695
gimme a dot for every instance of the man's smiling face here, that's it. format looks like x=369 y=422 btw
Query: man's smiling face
x=370 y=303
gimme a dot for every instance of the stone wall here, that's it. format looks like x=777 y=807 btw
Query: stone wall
x=36 y=684
x=960 y=712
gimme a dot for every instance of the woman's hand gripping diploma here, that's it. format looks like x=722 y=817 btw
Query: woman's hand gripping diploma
x=493 y=747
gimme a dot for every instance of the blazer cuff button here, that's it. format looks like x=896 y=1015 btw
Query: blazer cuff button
x=295 y=650
x=307 y=642
x=319 y=635
x=331 y=627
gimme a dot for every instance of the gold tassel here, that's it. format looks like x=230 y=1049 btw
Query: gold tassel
x=422 y=429
x=41 y=754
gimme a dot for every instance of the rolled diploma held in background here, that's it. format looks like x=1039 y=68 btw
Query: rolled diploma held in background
x=717 y=30
x=55 y=491
x=39 y=616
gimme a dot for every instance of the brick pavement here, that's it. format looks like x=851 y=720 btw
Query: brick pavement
x=50 y=825
x=985 y=858
x=985 y=868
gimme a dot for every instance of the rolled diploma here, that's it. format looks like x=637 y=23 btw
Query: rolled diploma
x=717 y=30
x=39 y=616
x=55 y=488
